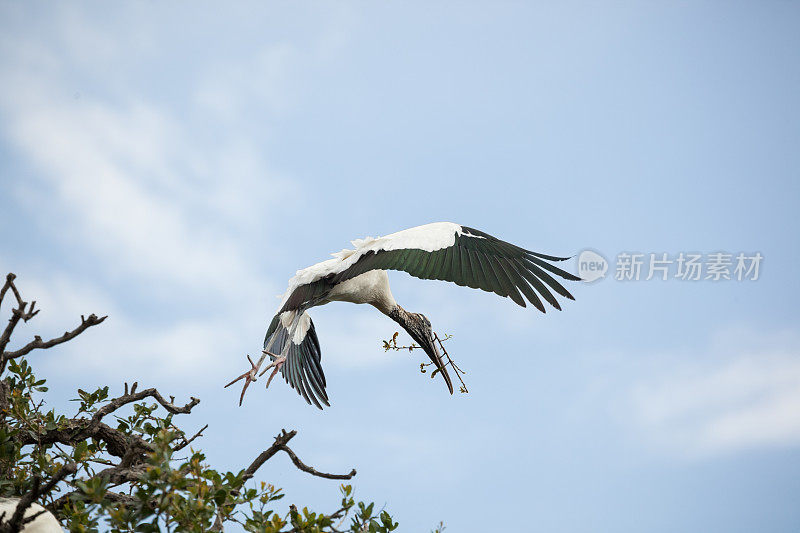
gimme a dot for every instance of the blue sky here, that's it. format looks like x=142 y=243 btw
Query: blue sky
x=172 y=165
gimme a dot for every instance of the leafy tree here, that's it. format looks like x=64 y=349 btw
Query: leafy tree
x=122 y=464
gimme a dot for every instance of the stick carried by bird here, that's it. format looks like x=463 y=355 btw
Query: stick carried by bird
x=442 y=250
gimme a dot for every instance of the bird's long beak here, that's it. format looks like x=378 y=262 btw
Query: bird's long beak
x=419 y=328
x=428 y=344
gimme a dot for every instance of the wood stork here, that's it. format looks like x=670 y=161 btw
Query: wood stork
x=43 y=523
x=442 y=250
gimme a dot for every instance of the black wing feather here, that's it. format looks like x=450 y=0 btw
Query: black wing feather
x=302 y=369
x=477 y=260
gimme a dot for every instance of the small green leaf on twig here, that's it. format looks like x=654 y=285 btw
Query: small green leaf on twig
x=392 y=345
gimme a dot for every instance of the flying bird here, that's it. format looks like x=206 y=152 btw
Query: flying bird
x=442 y=250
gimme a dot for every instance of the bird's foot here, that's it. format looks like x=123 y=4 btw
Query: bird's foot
x=248 y=377
x=276 y=364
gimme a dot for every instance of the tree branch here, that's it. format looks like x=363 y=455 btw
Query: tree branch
x=114 y=497
x=266 y=455
x=305 y=468
x=17 y=313
x=9 y=284
x=131 y=446
x=133 y=396
x=186 y=441
x=38 y=343
x=75 y=431
x=280 y=445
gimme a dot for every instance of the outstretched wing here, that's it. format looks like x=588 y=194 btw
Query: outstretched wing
x=302 y=369
x=442 y=250
x=463 y=255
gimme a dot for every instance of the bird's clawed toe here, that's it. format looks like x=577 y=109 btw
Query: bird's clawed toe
x=248 y=377
x=276 y=365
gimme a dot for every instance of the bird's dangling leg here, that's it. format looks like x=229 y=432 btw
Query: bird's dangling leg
x=277 y=363
x=248 y=377
x=279 y=360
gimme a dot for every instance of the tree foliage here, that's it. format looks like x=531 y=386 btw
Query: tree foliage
x=121 y=463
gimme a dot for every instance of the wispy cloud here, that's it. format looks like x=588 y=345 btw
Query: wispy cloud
x=743 y=393
x=155 y=206
x=130 y=185
x=187 y=348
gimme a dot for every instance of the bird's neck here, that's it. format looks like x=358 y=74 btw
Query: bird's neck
x=399 y=315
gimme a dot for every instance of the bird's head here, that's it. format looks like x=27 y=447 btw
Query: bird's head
x=419 y=328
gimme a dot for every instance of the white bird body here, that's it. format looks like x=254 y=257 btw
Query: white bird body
x=44 y=523
x=442 y=250
x=369 y=288
x=428 y=238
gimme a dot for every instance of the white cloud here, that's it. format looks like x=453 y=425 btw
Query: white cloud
x=743 y=393
x=150 y=205
x=197 y=348
x=129 y=180
x=161 y=201
x=116 y=179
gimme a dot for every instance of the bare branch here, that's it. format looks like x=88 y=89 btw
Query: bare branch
x=186 y=441
x=38 y=343
x=17 y=314
x=9 y=284
x=452 y=363
x=133 y=396
x=33 y=517
x=305 y=468
x=280 y=445
x=266 y=455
